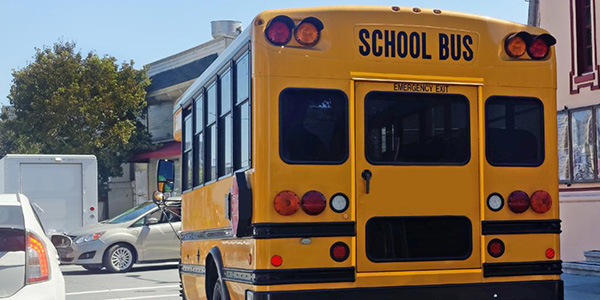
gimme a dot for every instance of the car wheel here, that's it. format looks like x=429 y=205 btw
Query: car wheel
x=92 y=267
x=217 y=292
x=119 y=258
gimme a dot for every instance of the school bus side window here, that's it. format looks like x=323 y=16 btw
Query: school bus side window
x=514 y=129
x=225 y=125
x=187 y=149
x=313 y=126
x=210 y=151
x=241 y=117
x=199 y=141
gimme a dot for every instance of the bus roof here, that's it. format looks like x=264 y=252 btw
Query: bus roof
x=245 y=36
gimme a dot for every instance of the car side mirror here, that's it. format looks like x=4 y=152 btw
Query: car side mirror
x=165 y=175
x=151 y=221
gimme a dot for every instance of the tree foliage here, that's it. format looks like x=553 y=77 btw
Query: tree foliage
x=69 y=103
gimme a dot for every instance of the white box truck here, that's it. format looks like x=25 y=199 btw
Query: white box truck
x=63 y=189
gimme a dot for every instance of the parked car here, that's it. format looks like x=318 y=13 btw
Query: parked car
x=29 y=267
x=141 y=234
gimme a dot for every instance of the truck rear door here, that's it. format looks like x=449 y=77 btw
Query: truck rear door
x=56 y=193
x=417 y=176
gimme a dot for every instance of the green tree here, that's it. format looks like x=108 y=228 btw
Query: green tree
x=69 y=103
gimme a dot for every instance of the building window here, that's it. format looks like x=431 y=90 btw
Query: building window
x=564 y=169
x=582 y=133
x=187 y=149
x=583 y=28
x=579 y=145
x=241 y=115
x=584 y=69
x=225 y=125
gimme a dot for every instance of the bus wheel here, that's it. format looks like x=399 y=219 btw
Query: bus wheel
x=217 y=291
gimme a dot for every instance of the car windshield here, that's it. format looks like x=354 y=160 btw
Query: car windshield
x=133 y=213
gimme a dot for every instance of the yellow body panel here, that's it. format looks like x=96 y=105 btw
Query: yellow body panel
x=335 y=63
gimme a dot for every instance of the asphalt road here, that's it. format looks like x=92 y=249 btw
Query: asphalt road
x=159 y=281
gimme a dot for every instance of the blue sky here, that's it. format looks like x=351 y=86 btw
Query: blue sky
x=147 y=30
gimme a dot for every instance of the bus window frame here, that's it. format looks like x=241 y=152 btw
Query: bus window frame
x=241 y=54
x=346 y=128
x=227 y=67
x=230 y=65
x=456 y=164
x=542 y=129
x=184 y=168
x=198 y=182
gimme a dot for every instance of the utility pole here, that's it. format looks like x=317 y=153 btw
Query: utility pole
x=534 y=13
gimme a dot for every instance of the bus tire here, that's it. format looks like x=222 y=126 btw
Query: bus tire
x=217 y=292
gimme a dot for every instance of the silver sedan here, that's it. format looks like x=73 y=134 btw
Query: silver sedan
x=142 y=234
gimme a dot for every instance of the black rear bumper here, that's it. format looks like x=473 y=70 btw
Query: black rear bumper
x=526 y=290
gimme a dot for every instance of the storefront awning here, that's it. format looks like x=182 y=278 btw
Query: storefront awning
x=167 y=150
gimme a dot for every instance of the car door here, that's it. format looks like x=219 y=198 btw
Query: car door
x=12 y=249
x=159 y=241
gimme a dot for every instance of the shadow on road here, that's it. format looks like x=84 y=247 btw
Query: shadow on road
x=133 y=270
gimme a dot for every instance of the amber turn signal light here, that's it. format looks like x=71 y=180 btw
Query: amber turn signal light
x=308 y=31
x=286 y=203
x=516 y=44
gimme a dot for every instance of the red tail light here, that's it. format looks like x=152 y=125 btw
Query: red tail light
x=496 y=248
x=550 y=253
x=518 y=202
x=37 y=260
x=286 y=203
x=541 y=202
x=339 y=251
x=279 y=30
x=313 y=203
x=540 y=46
x=538 y=49
x=276 y=260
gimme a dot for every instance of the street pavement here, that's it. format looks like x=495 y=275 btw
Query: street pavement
x=161 y=282
x=147 y=282
x=579 y=287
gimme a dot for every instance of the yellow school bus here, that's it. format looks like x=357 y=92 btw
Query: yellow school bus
x=372 y=153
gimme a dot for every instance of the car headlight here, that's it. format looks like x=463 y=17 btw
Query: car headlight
x=89 y=237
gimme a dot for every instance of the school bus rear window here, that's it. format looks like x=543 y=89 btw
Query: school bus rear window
x=313 y=126
x=514 y=131
x=417 y=129
x=418 y=238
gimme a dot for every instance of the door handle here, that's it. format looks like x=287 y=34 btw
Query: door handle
x=366 y=175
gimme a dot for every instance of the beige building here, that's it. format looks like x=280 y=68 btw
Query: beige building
x=170 y=77
x=573 y=23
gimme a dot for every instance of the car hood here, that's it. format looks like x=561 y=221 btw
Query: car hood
x=98 y=227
